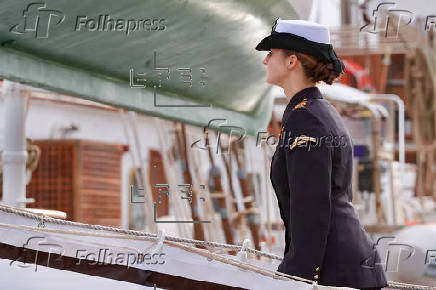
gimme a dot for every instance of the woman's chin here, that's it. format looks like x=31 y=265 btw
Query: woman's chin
x=271 y=82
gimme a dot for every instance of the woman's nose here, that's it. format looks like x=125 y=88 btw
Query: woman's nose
x=265 y=60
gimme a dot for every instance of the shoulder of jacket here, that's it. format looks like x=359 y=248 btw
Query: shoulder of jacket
x=301 y=111
x=304 y=117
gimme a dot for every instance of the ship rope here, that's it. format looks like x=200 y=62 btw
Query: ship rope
x=173 y=241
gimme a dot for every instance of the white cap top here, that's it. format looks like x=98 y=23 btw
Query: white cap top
x=310 y=30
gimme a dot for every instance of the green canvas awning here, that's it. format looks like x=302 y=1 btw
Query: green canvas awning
x=90 y=49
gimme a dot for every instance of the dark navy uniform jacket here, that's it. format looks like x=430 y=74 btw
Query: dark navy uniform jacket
x=311 y=174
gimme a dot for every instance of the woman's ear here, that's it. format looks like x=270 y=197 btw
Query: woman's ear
x=291 y=61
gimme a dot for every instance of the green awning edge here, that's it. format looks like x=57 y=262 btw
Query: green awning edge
x=42 y=73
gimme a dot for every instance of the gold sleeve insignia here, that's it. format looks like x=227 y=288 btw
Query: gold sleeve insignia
x=301 y=140
x=301 y=104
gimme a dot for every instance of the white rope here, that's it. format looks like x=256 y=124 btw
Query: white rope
x=45 y=219
x=206 y=253
x=400 y=285
x=158 y=247
x=242 y=254
x=62 y=233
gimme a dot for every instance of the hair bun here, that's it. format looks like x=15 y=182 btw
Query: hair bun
x=317 y=70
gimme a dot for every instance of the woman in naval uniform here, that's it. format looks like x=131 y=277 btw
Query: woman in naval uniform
x=311 y=169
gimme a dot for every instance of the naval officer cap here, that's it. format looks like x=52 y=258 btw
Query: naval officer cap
x=305 y=37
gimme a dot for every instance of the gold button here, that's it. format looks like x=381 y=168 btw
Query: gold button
x=316 y=277
x=317 y=269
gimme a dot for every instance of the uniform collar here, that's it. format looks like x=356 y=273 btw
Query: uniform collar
x=306 y=93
